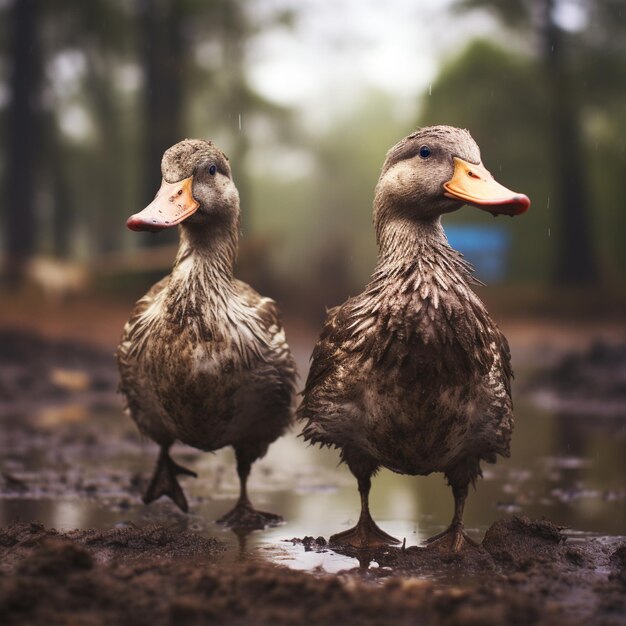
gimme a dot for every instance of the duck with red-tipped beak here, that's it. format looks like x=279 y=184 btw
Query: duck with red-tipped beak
x=203 y=358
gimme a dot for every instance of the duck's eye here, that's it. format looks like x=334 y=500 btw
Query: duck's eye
x=424 y=152
x=212 y=169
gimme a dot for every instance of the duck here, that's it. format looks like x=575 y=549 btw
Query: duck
x=203 y=358
x=412 y=374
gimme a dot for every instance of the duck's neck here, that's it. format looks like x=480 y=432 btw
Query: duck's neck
x=203 y=270
x=400 y=241
x=416 y=251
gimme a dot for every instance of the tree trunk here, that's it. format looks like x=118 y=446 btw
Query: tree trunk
x=575 y=261
x=20 y=225
x=64 y=216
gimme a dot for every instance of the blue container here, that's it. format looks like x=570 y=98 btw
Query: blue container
x=487 y=248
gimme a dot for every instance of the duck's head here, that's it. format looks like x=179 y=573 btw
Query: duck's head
x=437 y=170
x=197 y=190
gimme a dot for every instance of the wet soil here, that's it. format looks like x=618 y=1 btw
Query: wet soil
x=524 y=573
x=66 y=447
x=35 y=371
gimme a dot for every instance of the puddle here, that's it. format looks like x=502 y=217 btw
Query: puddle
x=87 y=472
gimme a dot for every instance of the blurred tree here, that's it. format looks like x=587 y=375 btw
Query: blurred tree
x=88 y=43
x=576 y=261
x=23 y=122
x=68 y=55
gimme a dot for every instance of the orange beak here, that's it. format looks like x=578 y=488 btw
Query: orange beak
x=173 y=203
x=473 y=184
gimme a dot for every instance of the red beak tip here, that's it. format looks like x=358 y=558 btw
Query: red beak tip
x=134 y=224
x=523 y=203
x=139 y=225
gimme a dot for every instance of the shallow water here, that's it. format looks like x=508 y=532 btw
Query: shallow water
x=75 y=468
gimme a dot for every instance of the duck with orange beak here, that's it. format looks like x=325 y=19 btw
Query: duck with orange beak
x=413 y=374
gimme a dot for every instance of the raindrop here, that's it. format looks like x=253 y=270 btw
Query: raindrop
x=549 y=232
x=430 y=89
x=548 y=205
x=240 y=121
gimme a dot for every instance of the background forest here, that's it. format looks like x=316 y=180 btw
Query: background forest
x=305 y=99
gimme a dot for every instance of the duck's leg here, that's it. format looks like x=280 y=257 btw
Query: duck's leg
x=164 y=482
x=454 y=538
x=244 y=515
x=366 y=534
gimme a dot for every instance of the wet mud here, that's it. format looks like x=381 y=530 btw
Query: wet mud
x=523 y=573
x=65 y=445
x=529 y=568
x=34 y=369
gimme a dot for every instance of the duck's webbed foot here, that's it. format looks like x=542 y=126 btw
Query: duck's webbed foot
x=165 y=483
x=244 y=515
x=366 y=534
x=453 y=539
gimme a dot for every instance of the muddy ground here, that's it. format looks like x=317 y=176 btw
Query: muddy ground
x=524 y=573
x=124 y=572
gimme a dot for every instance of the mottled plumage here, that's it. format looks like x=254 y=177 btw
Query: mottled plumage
x=203 y=358
x=412 y=374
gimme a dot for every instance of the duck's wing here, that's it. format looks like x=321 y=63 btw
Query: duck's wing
x=143 y=303
x=323 y=358
x=132 y=332
x=266 y=312
x=265 y=307
x=505 y=358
